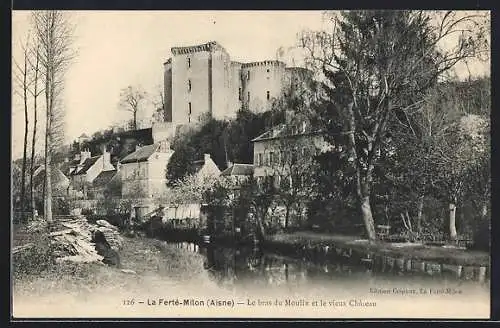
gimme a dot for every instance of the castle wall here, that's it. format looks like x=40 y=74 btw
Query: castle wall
x=297 y=78
x=202 y=80
x=162 y=131
x=262 y=82
x=236 y=90
x=167 y=89
x=188 y=104
x=221 y=83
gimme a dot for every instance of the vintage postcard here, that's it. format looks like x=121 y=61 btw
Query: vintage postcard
x=251 y=164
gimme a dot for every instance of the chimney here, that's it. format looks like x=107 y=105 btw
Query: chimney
x=137 y=147
x=118 y=166
x=84 y=155
x=229 y=163
x=206 y=157
x=106 y=158
x=66 y=160
x=164 y=146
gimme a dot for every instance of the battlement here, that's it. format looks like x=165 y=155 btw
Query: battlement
x=209 y=46
x=276 y=63
x=299 y=70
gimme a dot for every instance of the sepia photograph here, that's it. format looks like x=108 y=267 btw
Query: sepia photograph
x=251 y=164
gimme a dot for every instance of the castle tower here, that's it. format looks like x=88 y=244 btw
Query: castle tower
x=167 y=89
x=262 y=82
x=201 y=85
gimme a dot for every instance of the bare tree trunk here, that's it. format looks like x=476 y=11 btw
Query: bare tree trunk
x=261 y=230
x=287 y=215
x=135 y=119
x=25 y=140
x=362 y=184
x=453 y=228
x=48 y=181
x=484 y=210
x=33 y=141
x=366 y=213
x=420 y=207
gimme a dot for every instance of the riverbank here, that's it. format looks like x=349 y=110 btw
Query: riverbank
x=147 y=266
x=303 y=241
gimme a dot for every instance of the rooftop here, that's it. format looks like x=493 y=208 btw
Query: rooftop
x=140 y=155
x=103 y=178
x=89 y=162
x=238 y=169
x=285 y=130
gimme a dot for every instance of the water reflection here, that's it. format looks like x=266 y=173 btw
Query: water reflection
x=252 y=267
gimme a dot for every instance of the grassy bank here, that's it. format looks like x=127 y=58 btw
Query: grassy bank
x=153 y=266
x=299 y=240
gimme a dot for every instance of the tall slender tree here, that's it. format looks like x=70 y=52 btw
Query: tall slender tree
x=54 y=32
x=22 y=77
x=35 y=93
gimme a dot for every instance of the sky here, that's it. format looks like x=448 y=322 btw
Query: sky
x=120 y=48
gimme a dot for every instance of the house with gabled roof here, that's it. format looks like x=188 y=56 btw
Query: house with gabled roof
x=143 y=172
x=284 y=144
x=106 y=184
x=88 y=169
x=60 y=183
x=237 y=173
x=205 y=168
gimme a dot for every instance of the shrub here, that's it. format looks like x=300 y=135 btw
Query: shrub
x=87 y=211
x=35 y=259
x=60 y=206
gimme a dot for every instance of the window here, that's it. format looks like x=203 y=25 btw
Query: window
x=239 y=94
x=248 y=75
x=268 y=95
x=259 y=162
x=189 y=112
x=271 y=158
x=189 y=85
x=248 y=96
x=189 y=62
x=267 y=70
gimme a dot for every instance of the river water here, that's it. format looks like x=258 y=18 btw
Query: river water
x=246 y=269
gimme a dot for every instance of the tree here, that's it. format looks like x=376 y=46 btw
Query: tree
x=294 y=170
x=292 y=153
x=160 y=114
x=377 y=63
x=131 y=98
x=54 y=33
x=35 y=93
x=260 y=194
x=463 y=151
x=23 y=80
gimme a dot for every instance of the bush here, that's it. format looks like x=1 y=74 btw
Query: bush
x=36 y=259
x=482 y=237
x=87 y=211
x=60 y=206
